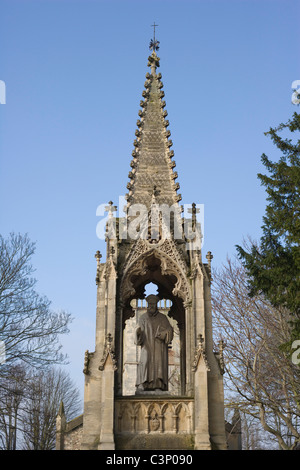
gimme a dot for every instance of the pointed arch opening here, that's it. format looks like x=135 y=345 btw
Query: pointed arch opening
x=153 y=278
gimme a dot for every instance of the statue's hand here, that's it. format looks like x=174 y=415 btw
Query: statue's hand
x=161 y=335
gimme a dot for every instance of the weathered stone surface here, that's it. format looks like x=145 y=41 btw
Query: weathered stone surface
x=148 y=414
x=190 y=415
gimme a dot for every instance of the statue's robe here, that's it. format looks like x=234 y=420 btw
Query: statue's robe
x=153 y=334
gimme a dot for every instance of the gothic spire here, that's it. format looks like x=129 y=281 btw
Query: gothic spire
x=152 y=164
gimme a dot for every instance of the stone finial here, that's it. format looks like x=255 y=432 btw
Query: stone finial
x=221 y=356
x=86 y=362
x=200 y=351
x=108 y=351
x=110 y=208
x=111 y=222
x=153 y=62
x=109 y=339
x=209 y=257
x=98 y=257
x=61 y=423
x=61 y=411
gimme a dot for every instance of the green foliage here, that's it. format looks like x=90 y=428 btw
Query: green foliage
x=274 y=266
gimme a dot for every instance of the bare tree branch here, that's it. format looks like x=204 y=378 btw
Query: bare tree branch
x=260 y=378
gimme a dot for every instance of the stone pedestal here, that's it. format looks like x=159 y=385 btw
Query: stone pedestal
x=162 y=421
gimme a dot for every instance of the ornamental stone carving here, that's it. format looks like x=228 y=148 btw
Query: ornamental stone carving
x=171 y=264
x=154 y=416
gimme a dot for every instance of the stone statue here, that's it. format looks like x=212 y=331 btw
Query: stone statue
x=153 y=334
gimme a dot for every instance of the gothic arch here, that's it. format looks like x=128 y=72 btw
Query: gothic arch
x=161 y=265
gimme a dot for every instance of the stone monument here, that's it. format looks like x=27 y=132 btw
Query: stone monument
x=152 y=242
x=153 y=334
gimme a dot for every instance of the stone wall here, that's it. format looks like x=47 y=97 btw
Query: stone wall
x=135 y=430
x=69 y=435
x=73 y=439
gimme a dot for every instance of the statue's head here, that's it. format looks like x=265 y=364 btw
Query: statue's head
x=152 y=301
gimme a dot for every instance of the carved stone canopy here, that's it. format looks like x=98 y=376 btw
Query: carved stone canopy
x=150 y=269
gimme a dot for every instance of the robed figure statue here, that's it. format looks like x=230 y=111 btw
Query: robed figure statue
x=153 y=334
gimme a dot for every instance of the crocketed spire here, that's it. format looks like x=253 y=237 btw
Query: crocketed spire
x=152 y=164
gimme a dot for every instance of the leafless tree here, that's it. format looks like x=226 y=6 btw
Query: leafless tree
x=29 y=403
x=29 y=329
x=261 y=380
x=29 y=333
x=11 y=397
x=45 y=391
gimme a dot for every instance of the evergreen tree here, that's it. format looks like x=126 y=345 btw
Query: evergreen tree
x=274 y=265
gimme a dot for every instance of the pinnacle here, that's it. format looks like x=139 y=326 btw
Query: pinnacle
x=61 y=410
x=152 y=164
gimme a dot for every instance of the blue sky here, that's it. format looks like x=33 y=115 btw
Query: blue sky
x=74 y=72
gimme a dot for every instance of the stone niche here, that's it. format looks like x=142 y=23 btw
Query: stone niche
x=131 y=352
x=166 y=424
